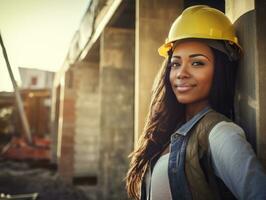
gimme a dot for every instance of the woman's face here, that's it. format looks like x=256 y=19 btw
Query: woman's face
x=192 y=68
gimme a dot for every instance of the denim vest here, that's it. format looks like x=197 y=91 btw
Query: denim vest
x=176 y=166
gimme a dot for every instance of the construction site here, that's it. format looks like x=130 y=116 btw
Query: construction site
x=67 y=134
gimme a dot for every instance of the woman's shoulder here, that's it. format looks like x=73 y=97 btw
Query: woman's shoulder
x=211 y=119
x=226 y=130
x=216 y=128
x=228 y=138
x=235 y=162
x=215 y=116
x=218 y=122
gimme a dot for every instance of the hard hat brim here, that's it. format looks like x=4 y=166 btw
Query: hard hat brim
x=164 y=49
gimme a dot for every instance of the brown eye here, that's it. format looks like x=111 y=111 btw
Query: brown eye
x=197 y=63
x=174 y=65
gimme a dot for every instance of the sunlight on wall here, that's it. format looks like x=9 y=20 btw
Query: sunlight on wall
x=236 y=8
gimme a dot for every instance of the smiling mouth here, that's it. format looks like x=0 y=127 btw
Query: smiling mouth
x=184 y=88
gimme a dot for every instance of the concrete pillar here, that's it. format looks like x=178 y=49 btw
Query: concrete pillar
x=250 y=94
x=55 y=113
x=154 y=19
x=246 y=96
x=67 y=129
x=260 y=7
x=87 y=126
x=87 y=120
x=117 y=105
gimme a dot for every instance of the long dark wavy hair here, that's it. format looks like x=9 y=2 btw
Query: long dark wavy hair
x=165 y=112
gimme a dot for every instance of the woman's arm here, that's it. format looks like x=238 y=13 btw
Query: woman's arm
x=235 y=162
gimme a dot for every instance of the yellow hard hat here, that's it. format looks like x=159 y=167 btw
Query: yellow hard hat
x=200 y=21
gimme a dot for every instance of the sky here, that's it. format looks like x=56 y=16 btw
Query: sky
x=37 y=33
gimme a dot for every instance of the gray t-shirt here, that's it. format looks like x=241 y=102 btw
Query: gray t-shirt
x=160 y=188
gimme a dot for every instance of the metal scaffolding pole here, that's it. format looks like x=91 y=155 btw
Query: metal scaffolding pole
x=17 y=95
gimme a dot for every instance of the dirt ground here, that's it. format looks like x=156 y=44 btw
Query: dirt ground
x=22 y=178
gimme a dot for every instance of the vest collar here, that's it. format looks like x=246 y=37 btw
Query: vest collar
x=185 y=128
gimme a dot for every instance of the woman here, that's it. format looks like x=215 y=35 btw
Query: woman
x=190 y=148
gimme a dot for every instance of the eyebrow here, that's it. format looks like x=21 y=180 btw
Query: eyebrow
x=192 y=56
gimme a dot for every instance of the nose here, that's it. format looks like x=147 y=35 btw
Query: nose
x=182 y=72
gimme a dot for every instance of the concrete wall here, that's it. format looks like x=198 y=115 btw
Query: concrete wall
x=154 y=19
x=117 y=106
x=80 y=127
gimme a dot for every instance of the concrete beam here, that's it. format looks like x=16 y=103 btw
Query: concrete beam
x=90 y=30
